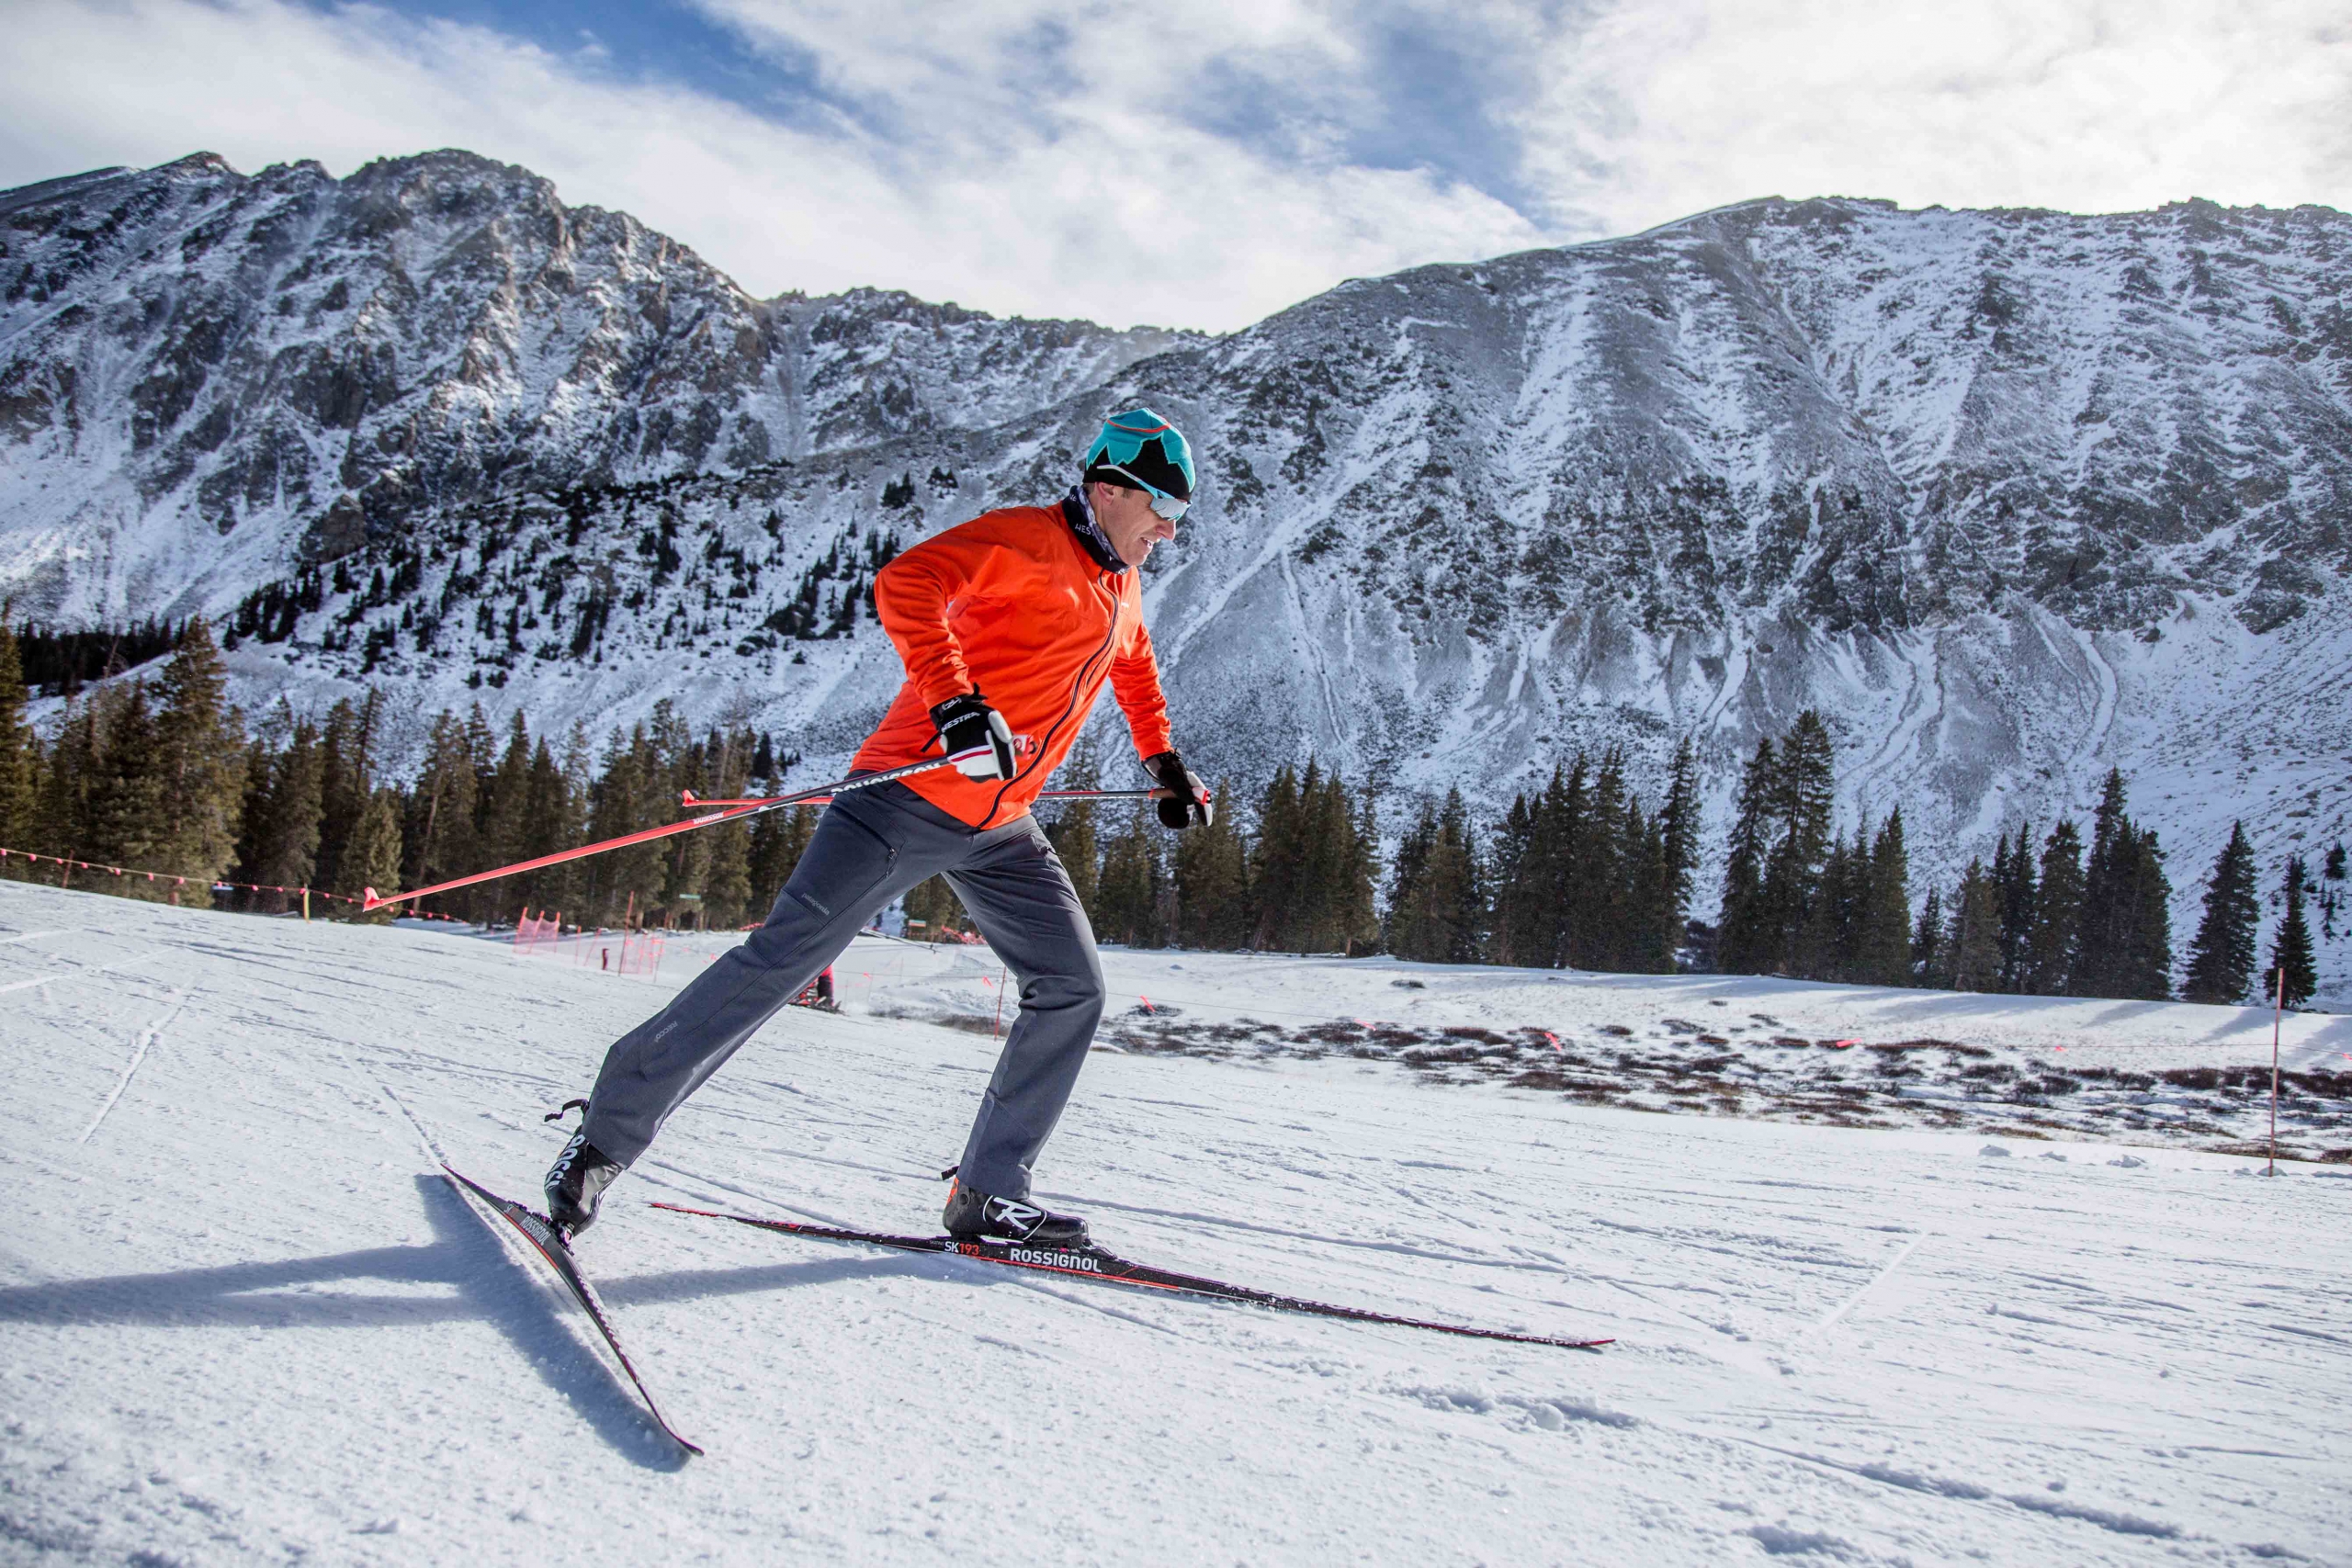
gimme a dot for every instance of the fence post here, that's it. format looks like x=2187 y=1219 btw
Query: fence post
x=2277 y=1013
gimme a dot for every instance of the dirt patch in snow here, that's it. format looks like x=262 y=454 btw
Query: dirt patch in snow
x=1787 y=1077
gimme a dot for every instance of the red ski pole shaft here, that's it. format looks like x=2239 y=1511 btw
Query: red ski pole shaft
x=690 y=800
x=733 y=814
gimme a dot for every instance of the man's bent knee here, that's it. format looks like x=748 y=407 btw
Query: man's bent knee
x=1078 y=995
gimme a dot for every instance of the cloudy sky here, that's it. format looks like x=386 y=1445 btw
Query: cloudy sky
x=1203 y=162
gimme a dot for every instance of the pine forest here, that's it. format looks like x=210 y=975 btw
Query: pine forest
x=155 y=788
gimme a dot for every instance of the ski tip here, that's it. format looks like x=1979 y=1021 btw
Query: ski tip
x=368 y=899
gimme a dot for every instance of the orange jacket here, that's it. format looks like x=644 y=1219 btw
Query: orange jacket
x=1012 y=605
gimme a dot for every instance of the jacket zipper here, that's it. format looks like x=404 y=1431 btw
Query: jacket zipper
x=1110 y=636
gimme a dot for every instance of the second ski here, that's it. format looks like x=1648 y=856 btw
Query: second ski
x=1109 y=1269
x=548 y=1244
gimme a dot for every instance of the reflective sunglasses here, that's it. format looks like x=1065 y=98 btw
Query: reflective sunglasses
x=1164 y=506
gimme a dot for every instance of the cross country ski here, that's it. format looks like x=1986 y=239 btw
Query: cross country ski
x=549 y=1246
x=1086 y=1261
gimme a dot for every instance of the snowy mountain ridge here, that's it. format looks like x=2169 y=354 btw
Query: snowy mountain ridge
x=2011 y=496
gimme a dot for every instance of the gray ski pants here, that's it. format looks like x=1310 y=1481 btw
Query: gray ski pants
x=869 y=847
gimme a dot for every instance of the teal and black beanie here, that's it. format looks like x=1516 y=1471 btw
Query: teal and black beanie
x=1140 y=447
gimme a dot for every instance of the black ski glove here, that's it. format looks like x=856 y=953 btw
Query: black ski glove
x=1187 y=802
x=976 y=735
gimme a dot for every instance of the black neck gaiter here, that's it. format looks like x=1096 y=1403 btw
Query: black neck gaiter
x=1080 y=517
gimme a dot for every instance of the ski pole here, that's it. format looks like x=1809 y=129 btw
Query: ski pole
x=689 y=799
x=374 y=900
x=730 y=811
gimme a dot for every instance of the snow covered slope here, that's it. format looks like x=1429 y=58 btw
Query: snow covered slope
x=245 y=1322
x=210 y=376
x=2012 y=496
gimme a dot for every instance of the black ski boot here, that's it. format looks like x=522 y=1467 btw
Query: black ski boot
x=575 y=1182
x=976 y=1216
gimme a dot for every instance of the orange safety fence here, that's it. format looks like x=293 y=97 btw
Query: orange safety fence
x=609 y=952
x=66 y=866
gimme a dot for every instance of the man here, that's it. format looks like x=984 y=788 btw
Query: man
x=1008 y=625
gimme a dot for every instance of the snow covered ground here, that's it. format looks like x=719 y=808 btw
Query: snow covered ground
x=241 y=1322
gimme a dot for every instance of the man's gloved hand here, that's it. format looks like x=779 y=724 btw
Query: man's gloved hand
x=976 y=735
x=1187 y=802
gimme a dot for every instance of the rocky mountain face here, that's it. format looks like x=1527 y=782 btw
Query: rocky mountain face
x=210 y=377
x=2010 y=496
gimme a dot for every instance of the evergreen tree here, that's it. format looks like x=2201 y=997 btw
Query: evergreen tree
x=933 y=902
x=67 y=784
x=1127 y=903
x=1803 y=797
x=563 y=821
x=1329 y=909
x=439 y=837
x=1650 y=937
x=283 y=801
x=252 y=819
x=1675 y=865
x=1745 y=944
x=2016 y=888
x=125 y=823
x=778 y=840
x=1882 y=944
x=20 y=759
x=680 y=763
x=1515 y=902
x=1975 y=940
x=1535 y=849
x=1410 y=933
x=1827 y=948
x=2291 y=947
x=1311 y=904
x=2144 y=969
x=2331 y=897
x=371 y=858
x=1564 y=823
x=1074 y=831
x=1212 y=882
x=727 y=881
x=1075 y=841
x=198 y=766
x=551 y=820
x=1437 y=906
x=631 y=793
x=2221 y=955
x=347 y=745
x=1596 y=872
x=502 y=816
x=2103 y=935
x=1276 y=861
x=1581 y=873
x=1457 y=882
x=2057 y=915
x=1930 y=945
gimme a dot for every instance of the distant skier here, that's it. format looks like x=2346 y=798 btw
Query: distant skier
x=1008 y=625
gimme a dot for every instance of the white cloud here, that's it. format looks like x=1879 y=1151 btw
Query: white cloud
x=1676 y=105
x=1102 y=210
x=1206 y=163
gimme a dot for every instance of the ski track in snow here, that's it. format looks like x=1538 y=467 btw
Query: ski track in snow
x=147 y=1038
x=251 y=1323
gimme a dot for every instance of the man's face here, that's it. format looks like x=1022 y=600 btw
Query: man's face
x=1127 y=518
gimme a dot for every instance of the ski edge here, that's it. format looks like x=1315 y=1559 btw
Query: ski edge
x=1141 y=1276
x=557 y=1257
